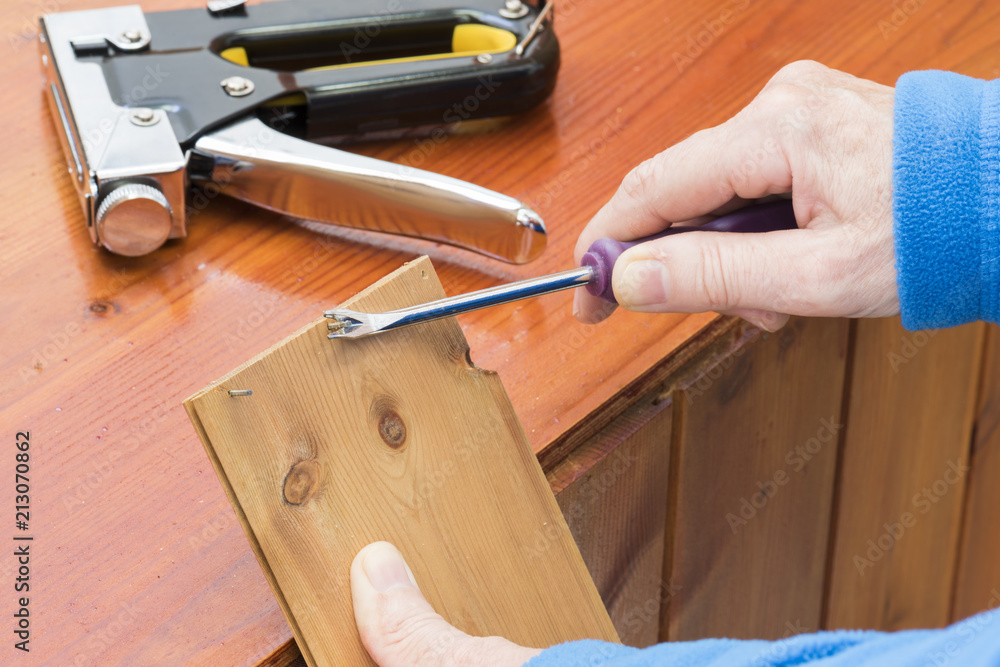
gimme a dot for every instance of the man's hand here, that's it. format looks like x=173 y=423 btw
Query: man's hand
x=821 y=135
x=399 y=627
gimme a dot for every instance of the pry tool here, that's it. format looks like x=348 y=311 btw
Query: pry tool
x=158 y=113
x=595 y=273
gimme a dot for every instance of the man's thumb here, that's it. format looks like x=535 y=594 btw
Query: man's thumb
x=397 y=625
x=724 y=272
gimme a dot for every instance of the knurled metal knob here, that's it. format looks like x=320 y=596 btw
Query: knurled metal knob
x=134 y=219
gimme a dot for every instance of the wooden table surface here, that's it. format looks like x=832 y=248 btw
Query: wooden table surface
x=137 y=557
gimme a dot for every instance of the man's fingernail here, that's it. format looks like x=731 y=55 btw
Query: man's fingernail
x=385 y=568
x=644 y=283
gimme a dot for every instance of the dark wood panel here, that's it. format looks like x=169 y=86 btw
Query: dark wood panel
x=752 y=470
x=903 y=473
x=977 y=584
x=613 y=492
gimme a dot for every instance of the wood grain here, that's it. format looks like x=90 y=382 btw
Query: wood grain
x=396 y=437
x=752 y=471
x=99 y=351
x=613 y=492
x=977 y=585
x=903 y=475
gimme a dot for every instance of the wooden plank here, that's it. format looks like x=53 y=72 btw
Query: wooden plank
x=977 y=584
x=613 y=492
x=903 y=475
x=396 y=437
x=752 y=470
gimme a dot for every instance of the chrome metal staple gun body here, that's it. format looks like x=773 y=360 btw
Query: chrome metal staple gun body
x=160 y=112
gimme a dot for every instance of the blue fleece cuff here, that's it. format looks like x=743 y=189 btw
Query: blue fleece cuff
x=946 y=199
x=705 y=652
x=589 y=652
x=974 y=642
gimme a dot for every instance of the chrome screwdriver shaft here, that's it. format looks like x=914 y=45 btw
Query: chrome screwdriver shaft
x=352 y=324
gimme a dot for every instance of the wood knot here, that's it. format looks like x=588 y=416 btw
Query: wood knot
x=386 y=419
x=101 y=309
x=391 y=428
x=301 y=482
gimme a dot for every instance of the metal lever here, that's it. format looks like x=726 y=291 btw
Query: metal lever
x=252 y=162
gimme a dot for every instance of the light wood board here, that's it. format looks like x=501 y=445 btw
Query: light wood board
x=395 y=437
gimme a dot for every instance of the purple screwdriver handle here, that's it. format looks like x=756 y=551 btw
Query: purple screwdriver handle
x=603 y=253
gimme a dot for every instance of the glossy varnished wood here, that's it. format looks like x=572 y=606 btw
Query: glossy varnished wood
x=145 y=562
x=100 y=351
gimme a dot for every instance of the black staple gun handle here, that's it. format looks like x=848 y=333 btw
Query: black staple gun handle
x=233 y=98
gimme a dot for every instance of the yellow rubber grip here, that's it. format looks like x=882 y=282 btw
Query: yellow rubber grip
x=468 y=39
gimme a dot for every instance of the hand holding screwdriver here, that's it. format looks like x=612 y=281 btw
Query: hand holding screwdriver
x=822 y=135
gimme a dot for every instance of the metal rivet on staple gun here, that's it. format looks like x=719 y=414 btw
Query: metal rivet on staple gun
x=143 y=117
x=237 y=86
x=513 y=9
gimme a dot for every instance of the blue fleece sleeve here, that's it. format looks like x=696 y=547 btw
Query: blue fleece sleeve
x=974 y=642
x=946 y=199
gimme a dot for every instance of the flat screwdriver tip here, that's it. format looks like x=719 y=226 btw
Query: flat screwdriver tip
x=348 y=324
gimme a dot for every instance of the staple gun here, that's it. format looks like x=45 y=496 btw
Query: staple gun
x=158 y=113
